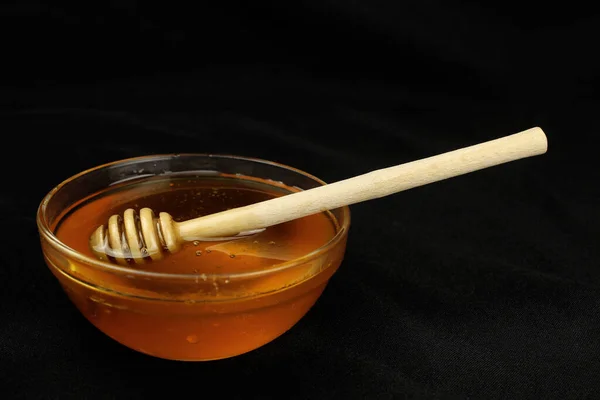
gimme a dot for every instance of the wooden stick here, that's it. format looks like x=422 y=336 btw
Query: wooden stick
x=369 y=186
x=350 y=191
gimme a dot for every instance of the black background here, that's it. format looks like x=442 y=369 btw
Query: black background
x=482 y=286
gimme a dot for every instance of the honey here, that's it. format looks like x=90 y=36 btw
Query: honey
x=213 y=298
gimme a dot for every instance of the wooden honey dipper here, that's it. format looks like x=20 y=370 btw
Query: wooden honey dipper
x=146 y=236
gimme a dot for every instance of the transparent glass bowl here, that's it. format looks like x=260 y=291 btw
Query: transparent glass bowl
x=180 y=317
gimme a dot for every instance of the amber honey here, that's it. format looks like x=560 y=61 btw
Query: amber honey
x=213 y=298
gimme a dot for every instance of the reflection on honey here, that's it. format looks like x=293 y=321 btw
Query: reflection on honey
x=235 y=295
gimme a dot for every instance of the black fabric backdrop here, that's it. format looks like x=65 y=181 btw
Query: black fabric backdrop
x=482 y=286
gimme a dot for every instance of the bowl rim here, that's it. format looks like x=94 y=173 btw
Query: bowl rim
x=46 y=232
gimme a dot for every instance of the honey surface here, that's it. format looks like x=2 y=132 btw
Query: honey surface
x=190 y=197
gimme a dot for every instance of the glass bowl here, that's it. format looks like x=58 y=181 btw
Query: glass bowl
x=179 y=316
